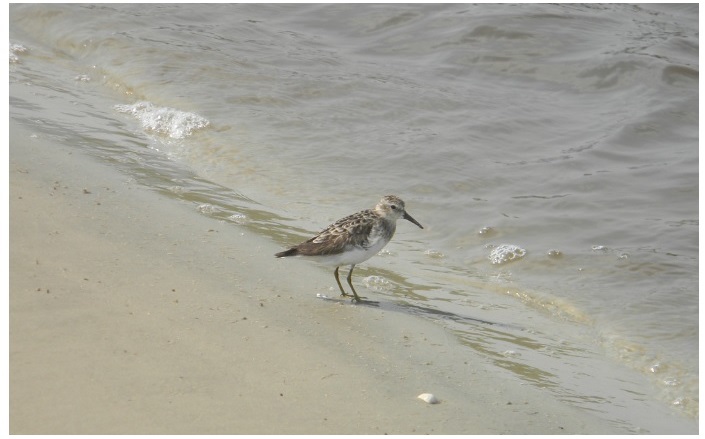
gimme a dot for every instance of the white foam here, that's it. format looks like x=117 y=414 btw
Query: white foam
x=171 y=122
x=238 y=218
x=377 y=283
x=14 y=50
x=504 y=253
x=207 y=209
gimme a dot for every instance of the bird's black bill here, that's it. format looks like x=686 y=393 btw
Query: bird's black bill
x=409 y=218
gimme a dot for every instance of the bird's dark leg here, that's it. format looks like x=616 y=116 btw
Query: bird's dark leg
x=356 y=298
x=342 y=291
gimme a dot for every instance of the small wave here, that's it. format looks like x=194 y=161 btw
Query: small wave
x=171 y=122
x=675 y=382
x=435 y=254
x=14 y=50
x=377 y=283
x=487 y=231
x=557 y=306
x=554 y=253
x=207 y=209
x=504 y=253
x=680 y=75
x=238 y=218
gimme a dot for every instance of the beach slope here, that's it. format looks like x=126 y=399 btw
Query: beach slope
x=131 y=312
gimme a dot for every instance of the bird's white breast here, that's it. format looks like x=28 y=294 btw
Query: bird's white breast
x=355 y=255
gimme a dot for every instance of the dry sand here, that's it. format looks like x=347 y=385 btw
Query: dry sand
x=133 y=313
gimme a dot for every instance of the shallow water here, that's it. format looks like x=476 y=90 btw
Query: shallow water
x=550 y=152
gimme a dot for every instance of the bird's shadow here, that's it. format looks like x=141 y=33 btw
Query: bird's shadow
x=418 y=310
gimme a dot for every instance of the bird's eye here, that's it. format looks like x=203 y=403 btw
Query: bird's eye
x=394 y=207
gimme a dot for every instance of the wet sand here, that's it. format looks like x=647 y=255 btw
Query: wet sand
x=133 y=313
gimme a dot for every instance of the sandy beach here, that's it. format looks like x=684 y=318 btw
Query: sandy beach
x=134 y=313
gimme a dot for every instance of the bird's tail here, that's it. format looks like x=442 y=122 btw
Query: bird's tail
x=285 y=253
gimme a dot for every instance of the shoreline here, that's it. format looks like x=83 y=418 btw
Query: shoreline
x=133 y=313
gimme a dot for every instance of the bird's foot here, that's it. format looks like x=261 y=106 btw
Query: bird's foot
x=362 y=300
x=354 y=298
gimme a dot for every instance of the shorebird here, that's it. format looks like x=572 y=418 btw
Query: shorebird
x=354 y=239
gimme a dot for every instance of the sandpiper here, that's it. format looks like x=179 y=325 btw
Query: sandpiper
x=354 y=239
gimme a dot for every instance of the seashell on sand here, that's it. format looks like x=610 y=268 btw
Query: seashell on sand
x=429 y=398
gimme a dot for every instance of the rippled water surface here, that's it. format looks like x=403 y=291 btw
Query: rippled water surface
x=550 y=151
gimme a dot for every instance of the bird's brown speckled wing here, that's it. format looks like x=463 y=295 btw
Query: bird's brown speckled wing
x=352 y=230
